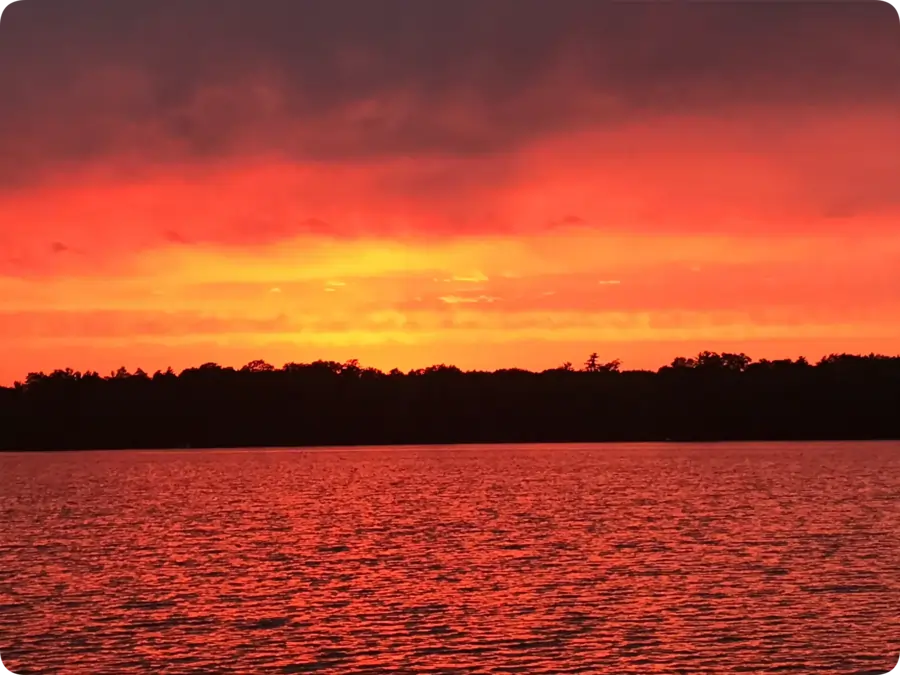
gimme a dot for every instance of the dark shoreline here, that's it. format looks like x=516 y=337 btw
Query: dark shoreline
x=711 y=398
x=453 y=446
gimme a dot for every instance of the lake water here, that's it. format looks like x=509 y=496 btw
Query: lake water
x=743 y=558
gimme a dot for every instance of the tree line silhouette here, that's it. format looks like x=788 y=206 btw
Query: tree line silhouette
x=710 y=397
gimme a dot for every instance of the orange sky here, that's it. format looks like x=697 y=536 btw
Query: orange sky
x=570 y=215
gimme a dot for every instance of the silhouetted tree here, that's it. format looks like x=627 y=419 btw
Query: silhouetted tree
x=258 y=366
x=682 y=362
x=611 y=367
x=351 y=368
x=708 y=397
x=593 y=365
x=160 y=376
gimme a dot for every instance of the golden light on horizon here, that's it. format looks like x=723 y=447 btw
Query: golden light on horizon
x=406 y=225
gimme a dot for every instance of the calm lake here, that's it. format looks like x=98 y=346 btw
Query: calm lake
x=736 y=558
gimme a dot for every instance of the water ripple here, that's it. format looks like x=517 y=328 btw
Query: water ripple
x=778 y=558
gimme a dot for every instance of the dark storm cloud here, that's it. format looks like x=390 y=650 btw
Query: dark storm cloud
x=196 y=80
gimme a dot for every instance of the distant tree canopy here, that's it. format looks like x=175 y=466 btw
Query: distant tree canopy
x=707 y=397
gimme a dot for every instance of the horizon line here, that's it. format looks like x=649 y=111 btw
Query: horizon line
x=261 y=365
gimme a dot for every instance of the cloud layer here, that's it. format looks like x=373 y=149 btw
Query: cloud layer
x=445 y=178
x=167 y=81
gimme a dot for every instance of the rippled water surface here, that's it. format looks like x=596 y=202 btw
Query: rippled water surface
x=569 y=559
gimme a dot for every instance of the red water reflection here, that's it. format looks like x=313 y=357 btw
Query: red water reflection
x=642 y=559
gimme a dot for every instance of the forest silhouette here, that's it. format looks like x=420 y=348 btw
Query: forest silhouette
x=710 y=397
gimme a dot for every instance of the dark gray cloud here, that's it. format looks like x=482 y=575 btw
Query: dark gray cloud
x=148 y=81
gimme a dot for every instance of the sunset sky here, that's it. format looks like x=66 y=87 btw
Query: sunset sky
x=482 y=182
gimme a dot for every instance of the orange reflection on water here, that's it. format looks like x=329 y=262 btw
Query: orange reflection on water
x=614 y=559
